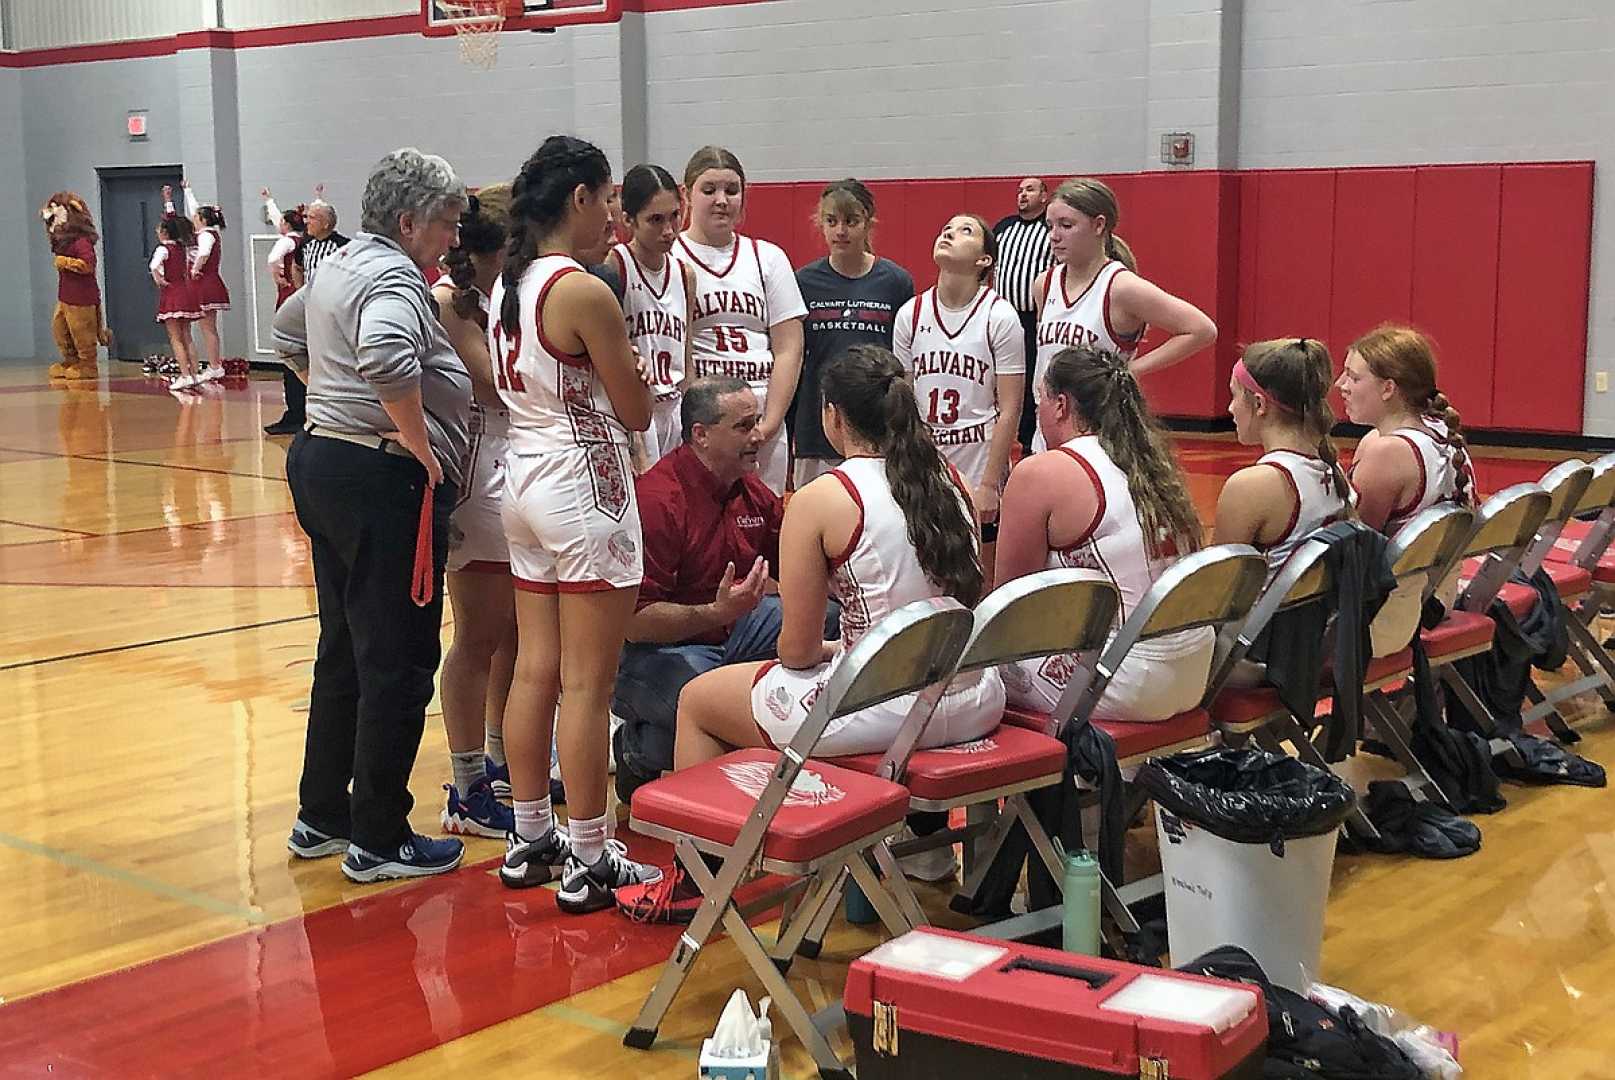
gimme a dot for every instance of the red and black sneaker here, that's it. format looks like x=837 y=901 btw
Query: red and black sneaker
x=674 y=899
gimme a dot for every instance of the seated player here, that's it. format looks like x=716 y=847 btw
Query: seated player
x=1108 y=497
x=1280 y=402
x=890 y=525
x=1415 y=457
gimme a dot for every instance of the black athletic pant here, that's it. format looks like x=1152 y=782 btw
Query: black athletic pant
x=1028 y=408
x=378 y=651
x=295 y=392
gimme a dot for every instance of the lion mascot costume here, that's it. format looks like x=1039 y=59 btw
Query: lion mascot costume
x=77 y=324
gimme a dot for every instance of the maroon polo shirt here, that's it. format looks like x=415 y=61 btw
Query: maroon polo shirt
x=694 y=527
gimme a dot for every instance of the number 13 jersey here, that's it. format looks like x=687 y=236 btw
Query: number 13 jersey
x=955 y=358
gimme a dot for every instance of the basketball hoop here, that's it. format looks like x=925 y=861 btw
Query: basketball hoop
x=477 y=25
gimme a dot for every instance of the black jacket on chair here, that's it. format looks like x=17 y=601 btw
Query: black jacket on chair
x=1295 y=645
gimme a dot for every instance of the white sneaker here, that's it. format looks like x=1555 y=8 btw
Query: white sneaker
x=212 y=372
x=611 y=743
x=938 y=864
x=183 y=382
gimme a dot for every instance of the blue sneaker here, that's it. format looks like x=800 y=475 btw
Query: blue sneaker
x=498 y=776
x=307 y=842
x=478 y=814
x=419 y=856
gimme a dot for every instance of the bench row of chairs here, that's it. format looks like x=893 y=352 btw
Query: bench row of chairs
x=814 y=824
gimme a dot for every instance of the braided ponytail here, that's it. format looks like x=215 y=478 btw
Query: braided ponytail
x=1439 y=408
x=1408 y=358
x=541 y=197
x=869 y=386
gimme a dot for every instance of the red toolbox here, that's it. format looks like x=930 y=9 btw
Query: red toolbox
x=934 y=1003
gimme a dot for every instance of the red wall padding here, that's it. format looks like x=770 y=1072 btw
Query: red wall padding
x=1455 y=278
x=1543 y=256
x=1493 y=261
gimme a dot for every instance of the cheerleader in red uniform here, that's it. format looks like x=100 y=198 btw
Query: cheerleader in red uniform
x=177 y=306
x=212 y=296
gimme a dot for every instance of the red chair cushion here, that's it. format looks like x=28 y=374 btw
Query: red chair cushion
x=1458 y=632
x=1564 y=550
x=1243 y=705
x=1571 y=581
x=1136 y=740
x=1029 y=719
x=1131 y=739
x=1007 y=755
x=828 y=807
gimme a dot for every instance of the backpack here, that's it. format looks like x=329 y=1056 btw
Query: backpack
x=1306 y=1041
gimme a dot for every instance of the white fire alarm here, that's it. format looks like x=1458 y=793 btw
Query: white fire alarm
x=1177 y=148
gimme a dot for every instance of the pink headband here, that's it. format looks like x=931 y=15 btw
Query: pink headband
x=1244 y=378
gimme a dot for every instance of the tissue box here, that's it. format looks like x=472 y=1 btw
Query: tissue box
x=763 y=1066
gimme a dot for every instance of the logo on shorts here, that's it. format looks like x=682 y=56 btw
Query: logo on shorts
x=1058 y=669
x=977 y=746
x=622 y=547
x=808 y=789
x=779 y=702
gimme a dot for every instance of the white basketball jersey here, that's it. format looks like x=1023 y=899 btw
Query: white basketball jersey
x=880 y=571
x=556 y=400
x=1115 y=544
x=655 y=308
x=1066 y=321
x=1438 y=471
x=955 y=358
x=730 y=334
x=1316 y=502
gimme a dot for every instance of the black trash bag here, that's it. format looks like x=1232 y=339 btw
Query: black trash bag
x=1249 y=796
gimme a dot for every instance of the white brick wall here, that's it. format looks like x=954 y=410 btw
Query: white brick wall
x=1365 y=82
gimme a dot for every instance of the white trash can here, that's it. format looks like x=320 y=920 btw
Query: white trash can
x=1219 y=892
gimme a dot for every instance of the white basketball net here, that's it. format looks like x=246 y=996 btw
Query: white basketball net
x=477 y=24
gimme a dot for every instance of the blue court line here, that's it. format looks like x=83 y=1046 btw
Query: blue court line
x=134 y=880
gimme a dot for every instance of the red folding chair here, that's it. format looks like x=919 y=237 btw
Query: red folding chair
x=1584 y=545
x=1042 y=614
x=773 y=811
x=1210 y=588
x=1505 y=526
x=1418 y=553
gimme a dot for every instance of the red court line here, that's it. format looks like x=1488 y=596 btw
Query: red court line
x=337 y=992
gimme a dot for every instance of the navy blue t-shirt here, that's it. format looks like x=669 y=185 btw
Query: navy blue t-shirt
x=841 y=312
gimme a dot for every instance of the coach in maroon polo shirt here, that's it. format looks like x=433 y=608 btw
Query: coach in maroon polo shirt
x=711 y=537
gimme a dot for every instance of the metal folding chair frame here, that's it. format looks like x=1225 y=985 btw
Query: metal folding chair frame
x=912 y=650
x=1237 y=573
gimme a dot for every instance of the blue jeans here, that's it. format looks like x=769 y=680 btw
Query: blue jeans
x=650 y=677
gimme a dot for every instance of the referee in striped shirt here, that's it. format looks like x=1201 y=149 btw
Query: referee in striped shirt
x=322 y=241
x=1023 y=254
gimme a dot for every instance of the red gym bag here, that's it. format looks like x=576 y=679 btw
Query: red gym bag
x=938 y=1003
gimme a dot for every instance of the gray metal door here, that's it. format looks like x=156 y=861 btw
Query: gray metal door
x=131 y=206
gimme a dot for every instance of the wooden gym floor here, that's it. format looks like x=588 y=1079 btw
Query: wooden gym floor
x=155 y=645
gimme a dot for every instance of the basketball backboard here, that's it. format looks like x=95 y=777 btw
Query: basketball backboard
x=534 y=15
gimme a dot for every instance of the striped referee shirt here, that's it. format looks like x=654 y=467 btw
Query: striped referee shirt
x=316 y=251
x=1023 y=254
